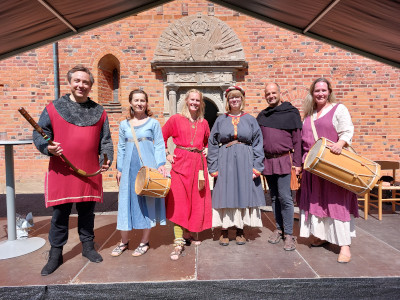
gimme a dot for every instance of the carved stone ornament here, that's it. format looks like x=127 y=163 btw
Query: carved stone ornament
x=199 y=38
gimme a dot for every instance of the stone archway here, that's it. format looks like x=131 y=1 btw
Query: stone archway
x=199 y=52
x=108 y=74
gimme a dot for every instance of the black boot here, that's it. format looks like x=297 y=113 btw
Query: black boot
x=55 y=260
x=89 y=252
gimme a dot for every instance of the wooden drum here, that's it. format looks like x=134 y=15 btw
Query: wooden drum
x=149 y=182
x=348 y=170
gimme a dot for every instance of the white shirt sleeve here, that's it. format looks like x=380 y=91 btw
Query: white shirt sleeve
x=341 y=122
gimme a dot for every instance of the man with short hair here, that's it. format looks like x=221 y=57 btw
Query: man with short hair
x=80 y=130
x=281 y=126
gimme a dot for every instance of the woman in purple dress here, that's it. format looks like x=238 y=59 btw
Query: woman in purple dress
x=327 y=210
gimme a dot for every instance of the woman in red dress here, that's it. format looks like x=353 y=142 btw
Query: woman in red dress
x=188 y=203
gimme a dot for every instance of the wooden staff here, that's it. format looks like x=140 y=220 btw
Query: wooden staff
x=35 y=125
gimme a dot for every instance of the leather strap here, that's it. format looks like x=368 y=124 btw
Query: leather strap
x=136 y=141
x=313 y=128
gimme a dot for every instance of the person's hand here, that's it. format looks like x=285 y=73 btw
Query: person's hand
x=254 y=176
x=170 y=158
x=105 y=167
x=205 y=152
x=336 y=148
x=162 y=170
x=118 y=177
x=55 y=149
x=298 y=170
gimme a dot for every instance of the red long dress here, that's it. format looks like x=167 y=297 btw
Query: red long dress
x=185 y=204
x=80 y=145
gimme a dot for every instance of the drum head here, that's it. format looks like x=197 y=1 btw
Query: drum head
x=312 y=154
x=140 y=181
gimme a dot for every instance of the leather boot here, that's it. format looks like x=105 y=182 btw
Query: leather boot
x=55 y=260
x=89 y=252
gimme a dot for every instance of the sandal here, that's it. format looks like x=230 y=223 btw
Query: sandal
x=178 y=248
x=119 y=249
x=190 y=240
x=141 y=249
x=275 y=237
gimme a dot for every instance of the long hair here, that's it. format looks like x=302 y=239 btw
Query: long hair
x=231 y=94
x=185 y=109
x=131 y=112
x=309 y=104
x=81 y=68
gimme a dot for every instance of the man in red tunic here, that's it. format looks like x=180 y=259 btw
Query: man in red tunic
x=80 y=130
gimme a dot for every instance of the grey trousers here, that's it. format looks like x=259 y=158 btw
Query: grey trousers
x=282 y=201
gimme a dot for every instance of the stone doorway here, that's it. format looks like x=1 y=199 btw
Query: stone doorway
x=200 y=52
x=211 y=113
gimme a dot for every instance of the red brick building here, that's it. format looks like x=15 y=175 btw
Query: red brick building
x=120 y=56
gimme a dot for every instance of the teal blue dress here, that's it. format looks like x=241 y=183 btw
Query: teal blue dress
x=134 y=211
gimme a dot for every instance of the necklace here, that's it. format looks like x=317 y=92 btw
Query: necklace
x=194 y=125
x=194 y=122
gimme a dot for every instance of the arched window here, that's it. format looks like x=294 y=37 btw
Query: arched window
x=108 y=83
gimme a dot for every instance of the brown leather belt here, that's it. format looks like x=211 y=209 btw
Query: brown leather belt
x=267 y=155
x=233 y=143
x=189 y=149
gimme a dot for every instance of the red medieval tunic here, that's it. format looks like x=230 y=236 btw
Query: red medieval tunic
x=185 y=204
x=80 y=145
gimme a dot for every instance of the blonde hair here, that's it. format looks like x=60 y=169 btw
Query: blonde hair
x=131 y=112
x=309 y=104
x=185 y=109
x=231 y=94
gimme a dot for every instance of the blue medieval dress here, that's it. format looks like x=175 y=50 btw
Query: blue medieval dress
x=134 y=211
x=236 y=196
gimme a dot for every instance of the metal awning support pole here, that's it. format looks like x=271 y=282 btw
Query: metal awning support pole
x=56 y=71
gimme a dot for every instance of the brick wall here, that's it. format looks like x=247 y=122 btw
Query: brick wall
x=369 y=89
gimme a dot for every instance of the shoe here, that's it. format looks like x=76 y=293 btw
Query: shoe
x=343 y=259
x=89 y=252
x=223 y=241
x=240 y=240
x=319 y=243
x=179 y=246
x=141 y=249
x=55 y=260
x=290 y=243
x=275 y=237
x=119 y=249
x=190 y=240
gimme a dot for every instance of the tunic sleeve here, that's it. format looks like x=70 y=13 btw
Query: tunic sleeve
x=159 y=146
x=206 y=134
x=257 y=144
x=343 y=124
x=121 y=147
x=38 y=140
x=296 y=139
x=168 y=130
x=106 y=144
x=213 y=148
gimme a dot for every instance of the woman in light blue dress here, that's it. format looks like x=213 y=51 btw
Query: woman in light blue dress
x=134 y=211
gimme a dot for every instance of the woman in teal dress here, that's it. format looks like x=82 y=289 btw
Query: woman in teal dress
x=134 y=211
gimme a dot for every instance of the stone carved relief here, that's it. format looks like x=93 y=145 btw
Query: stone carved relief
x=199 y=38
x=201 y=77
